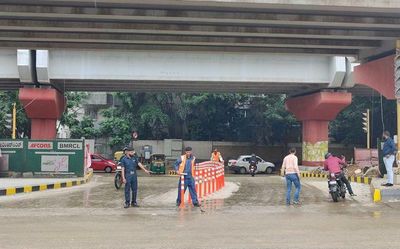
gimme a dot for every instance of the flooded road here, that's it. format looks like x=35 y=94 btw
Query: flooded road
x=248 y=213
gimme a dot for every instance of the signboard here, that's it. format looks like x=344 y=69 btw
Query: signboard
x=54 y=163
x=69 y=145
x=40 y=145
x=25 y=155
x=12 y=144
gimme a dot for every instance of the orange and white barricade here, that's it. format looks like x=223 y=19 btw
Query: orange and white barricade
x=209 y=178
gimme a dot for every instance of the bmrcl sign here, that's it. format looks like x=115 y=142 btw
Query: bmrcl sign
x=69 y=145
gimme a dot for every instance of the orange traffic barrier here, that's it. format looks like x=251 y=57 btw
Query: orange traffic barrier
x=209 y=178
x=208 y=181
x=182 y=204
x=201 y=184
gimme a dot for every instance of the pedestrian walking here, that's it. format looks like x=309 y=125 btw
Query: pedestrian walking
x=290 y=169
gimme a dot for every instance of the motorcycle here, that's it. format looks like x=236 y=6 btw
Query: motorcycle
x=118 y=177
x=253 y=169
x=337 y=188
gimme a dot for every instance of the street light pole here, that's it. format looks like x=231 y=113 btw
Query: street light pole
x=14 y=121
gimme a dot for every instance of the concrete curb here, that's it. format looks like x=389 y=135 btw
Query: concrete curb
x=384 y=194
x=375 y=192
x=357 y=179
x=34 y=188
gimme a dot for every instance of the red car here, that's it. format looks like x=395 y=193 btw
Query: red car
x=102 y=164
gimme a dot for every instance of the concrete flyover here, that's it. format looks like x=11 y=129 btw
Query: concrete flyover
x=296 y=47
x=173 y=71
x=343 y=27
x=225 y=31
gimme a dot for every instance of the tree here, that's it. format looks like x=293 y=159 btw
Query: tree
x=119 y=122
x=7 y=98
x=75 y=100
x=261 y=119
x=84 y=128
x=347 y=127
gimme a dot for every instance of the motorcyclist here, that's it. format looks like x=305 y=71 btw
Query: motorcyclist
x=334 y=165
x=253 y=160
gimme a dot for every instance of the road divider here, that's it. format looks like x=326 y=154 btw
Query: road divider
x=42 y=187
x=357 y=179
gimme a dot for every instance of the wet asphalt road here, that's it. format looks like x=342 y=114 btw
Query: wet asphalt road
x=91 y=216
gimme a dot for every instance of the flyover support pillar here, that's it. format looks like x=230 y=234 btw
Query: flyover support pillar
x=315 y=111
x=43 y=106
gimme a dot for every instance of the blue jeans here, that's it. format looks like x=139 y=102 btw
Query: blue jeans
x=189 y=183
x=131 y=184
x=389 y=167
x=292 y=178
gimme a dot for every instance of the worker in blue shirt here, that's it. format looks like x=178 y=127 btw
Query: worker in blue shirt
x=389 y=152
x=129 y=164
x=185 y=165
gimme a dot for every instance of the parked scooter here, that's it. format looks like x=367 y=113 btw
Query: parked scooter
x=337 y=188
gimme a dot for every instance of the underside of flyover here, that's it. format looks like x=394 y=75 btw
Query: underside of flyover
x=189 y=87
x=349 y=28
x=340 y=28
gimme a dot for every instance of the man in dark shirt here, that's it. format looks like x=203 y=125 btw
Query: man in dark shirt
x=388 y=151
x=129 y=164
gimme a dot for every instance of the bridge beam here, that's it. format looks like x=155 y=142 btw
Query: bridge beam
x=377 y=74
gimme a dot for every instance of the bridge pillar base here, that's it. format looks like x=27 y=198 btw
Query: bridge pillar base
x=43 y=106
x=315 y=111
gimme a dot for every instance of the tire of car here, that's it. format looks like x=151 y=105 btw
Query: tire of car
x=108 y=169
x=269 y=170
x=243 y=170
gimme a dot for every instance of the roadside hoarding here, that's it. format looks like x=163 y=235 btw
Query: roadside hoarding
x=53 y=156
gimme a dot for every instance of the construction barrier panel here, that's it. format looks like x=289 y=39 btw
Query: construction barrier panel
x=44 y=156
x=209 y=178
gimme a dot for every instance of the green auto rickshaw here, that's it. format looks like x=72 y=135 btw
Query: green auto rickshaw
x=157 y=164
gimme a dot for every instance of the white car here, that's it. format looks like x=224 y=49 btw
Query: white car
x=241 y=165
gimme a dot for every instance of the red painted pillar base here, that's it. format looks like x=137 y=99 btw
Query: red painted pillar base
x=43 y=107
x=315 y=111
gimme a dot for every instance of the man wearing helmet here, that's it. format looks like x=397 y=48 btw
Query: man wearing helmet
x=334 y=165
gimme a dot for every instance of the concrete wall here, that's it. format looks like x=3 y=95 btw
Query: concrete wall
x=231 y=150
x=157 y=146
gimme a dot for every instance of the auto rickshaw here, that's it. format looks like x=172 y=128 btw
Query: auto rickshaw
x=158 y=164
x=118 y=155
